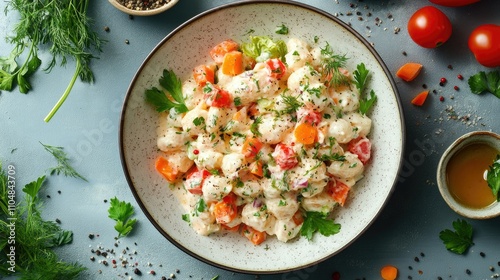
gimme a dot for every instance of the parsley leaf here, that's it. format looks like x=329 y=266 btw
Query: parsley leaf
x=317 y=221
x=366 y=103
x=120 y=211
x=493 y=177
x=485 y=82
x=361 y=75
x=63 y=165
x=460 y=240
x=170 y=96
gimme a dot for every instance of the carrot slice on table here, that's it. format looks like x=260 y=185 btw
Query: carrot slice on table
x=420 y=98
x=409 y=71
x=305 y=133
x=233 y=63
x=389 y=272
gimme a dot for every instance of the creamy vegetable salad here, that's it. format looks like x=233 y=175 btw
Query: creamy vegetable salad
x=263 y=137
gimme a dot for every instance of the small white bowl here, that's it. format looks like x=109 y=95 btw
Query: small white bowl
x=485 y=137
x=124 y=9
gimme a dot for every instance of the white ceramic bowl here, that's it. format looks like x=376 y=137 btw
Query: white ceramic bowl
x=485 y=137
x=188 y=46
x=151 y=12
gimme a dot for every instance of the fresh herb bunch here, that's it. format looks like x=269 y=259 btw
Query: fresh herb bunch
x=460 y=240
x=35 y=238
x=63 y=27
x=493 y=177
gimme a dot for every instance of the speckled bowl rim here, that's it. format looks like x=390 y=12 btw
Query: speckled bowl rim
x=469 y=138
x=143 y=12
x=348 y=28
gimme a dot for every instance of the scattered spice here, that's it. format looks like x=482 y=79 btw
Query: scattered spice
x=460 y=77
x=456 y=88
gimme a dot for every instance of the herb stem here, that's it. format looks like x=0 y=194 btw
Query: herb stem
x=66 y=92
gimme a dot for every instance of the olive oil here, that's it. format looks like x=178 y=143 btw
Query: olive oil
x=465 y=175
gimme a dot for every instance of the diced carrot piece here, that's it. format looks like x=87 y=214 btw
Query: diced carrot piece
x=251 y=148
x=298 y=218
x=409 y=71
x=233 y=63
x=338 y=191
x=166 y=170
x=305 y=133
x=217 y=53
x=203 y=74
x=389 y=272
x=420 y=98
x=226 y=210
x=255 y=236
x=256 y=168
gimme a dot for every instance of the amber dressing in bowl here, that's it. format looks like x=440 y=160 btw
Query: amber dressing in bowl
x=465 y=175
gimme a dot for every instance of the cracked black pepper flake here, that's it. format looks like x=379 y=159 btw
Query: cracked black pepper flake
x=91 y=236
x=482 y=254
x=468 y=271
x=417 y=259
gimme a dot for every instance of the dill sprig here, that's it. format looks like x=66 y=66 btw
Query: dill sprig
x=35 y=238
x=292 y=104
x=62 y=27
x=331 y=64
x=63 y=165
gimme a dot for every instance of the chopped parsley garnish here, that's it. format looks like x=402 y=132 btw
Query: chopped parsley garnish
x=460 y=240
x=485 y=82
x=170 y=97
x=237 y=101
x=200 y=206
x=199 y=121
x=281 y=29
x=254 y=127
x=493 y=177
x=318 y=222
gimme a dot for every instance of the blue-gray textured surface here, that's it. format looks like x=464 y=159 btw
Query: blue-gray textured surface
x=405 y=235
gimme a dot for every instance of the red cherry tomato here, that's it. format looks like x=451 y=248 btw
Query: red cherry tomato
x=454 y=3
x=285 y=157
x=194 y=180
x=276 y=67
x=429 y=27
x=484 y=42
x=361 y=147
x=220 y=98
